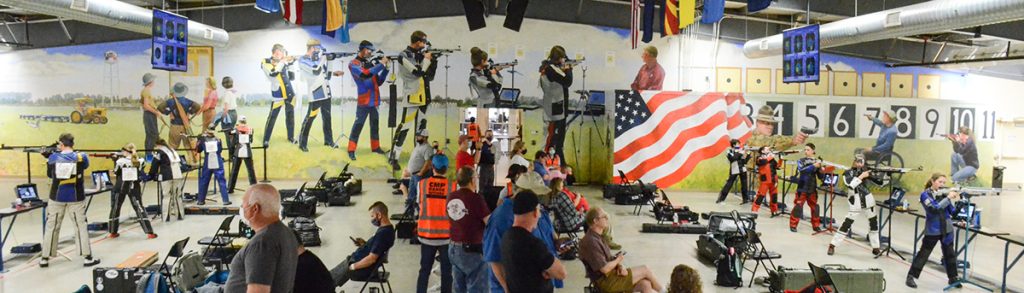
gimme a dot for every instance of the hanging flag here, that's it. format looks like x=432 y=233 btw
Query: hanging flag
x=343 y=31
x=474 y=14
x=686 y=11
x=334 y=16
x=649 y=20
x=661 y=136
x=713 y=11
x=268 y=6
x=514 y=13
x=293 y=11
x=757 y=5
x=634 y=23
x=671 y=25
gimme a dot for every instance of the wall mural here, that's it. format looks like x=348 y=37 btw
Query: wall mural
x=81 y=90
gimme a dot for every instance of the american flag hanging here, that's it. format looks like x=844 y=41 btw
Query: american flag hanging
x=292 y=11
x=660 y=136
x=634 y=23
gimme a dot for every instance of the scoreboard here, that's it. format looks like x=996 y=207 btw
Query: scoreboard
x=170 y=41
x=800 y=54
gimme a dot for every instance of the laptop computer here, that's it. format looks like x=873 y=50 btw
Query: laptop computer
x=507 y=98
x=28 y=193
x=595 y=104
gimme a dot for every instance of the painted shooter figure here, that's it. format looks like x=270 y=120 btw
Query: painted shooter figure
x=369 y=74
x=417 y=70
x=317 y=73
x=278 y=71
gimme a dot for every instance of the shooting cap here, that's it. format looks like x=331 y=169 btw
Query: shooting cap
x=423 y=133
x=242 y=119
x=890 y=113
x=366 y=45
x=858 y=158
x=766 y=114
x=148 y=78
x=312 y=43
x=180 y=89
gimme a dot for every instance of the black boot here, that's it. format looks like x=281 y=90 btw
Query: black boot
x=911 y=283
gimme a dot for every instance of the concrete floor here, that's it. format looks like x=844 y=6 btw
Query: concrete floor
x=660 y=252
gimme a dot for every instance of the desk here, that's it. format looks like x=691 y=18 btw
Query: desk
x=1007 y=265
x=90 y=193
x=13 y=213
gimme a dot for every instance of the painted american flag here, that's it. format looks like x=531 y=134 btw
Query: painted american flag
x=292 y=11
x=660 y=136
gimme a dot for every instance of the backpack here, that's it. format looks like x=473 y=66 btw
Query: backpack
x=189 y=272
x=307 y=229
x=153 y=282
x=728 y=267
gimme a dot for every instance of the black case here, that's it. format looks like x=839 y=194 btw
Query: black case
x=671 y=228
x=117 y=280
x=299 y=206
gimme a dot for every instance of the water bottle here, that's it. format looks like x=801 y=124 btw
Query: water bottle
x=675 y=217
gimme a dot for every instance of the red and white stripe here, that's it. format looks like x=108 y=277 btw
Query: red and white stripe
x=684 y=129
x=634 y=23
x=292 y=11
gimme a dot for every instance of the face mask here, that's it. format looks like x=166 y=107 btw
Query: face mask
x=375 y=222
x=241 y=213
x=524 y=151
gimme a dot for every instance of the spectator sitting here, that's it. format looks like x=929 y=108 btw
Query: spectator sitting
x=311 y=275
x=527 y=262
x=606 y=270
x=567 y=218
x=363 y=262
x=267 y=263
x=577 y=198
x=518 y=151
x=540 y=168
x=684 y=280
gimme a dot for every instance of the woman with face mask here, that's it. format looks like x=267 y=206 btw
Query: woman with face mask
x=128 y=186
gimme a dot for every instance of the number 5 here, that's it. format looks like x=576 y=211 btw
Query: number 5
x=808 y=114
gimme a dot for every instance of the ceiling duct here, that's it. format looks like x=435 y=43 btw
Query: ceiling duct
x=926 y=17
x=117 y=14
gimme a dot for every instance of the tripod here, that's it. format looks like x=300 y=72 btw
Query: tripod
x=892 y=208
x=831 y=179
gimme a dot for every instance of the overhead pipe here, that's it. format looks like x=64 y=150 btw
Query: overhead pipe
x=926 y=17
x=117 y=14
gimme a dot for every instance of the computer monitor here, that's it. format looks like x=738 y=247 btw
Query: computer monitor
x=508 y=95
x=101 y=178
x=967 y=212
x=597 y=98
x=27 y=192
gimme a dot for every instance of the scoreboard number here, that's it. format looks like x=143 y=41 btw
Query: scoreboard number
x=842 y=117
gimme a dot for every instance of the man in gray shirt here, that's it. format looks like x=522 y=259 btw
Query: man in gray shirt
x=267 y=263
x=417 y=167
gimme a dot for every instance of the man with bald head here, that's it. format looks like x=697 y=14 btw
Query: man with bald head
x=267 y=263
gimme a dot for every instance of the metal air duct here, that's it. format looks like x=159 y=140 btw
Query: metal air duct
x=925 y=17
x=117 y=14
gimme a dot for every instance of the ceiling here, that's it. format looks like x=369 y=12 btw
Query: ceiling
x=992 y=41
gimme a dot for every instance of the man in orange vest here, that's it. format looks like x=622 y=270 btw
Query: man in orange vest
x=434 y=227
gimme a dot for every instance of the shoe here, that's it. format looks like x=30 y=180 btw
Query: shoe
x=614 y=246
x=227 y=203
x=379 y=151
x=876 y=251
x=831 y=249
x=332 y=145
x=352 y=156
x=114 y=235
x=720 y=202
x=150 y=235
x=394 y=165
x=957 y=282
x=792 y=229
x=817 y=229
x=89 y=261
x=293 y=141
x=304 y=149
x=911 y=283
x=44 y=262
x=745 y=202
x=200 y=203
x=396 y=192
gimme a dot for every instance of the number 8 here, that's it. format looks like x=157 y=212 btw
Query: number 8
x=903 y=125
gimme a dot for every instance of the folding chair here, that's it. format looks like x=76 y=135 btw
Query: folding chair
x=591 y=287
x=380 y=275
x=822 y=280
x=221 y=238
x=177 y=251
x=647 y=198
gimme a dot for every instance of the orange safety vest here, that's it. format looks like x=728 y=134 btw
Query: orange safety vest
x=473 y=132
x=434 y=222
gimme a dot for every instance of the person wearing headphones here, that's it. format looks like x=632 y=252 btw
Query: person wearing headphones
x=939 y=209
x=369 y=75
x=127 y=186
x=417 y=70
x=555 y=80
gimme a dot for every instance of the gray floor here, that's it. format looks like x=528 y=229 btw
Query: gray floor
x=660 y=252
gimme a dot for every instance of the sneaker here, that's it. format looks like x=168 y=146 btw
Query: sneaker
x=956 y=283
x=352 y=156
x=911 y=283
x=227 y=203
x=876 y=251
x=304 y=149
x=200 y=203
x=44 y=262
x=151 y=235
x=89 y=261
x=831 y=249
x=114 y=235
x=396 y=192
x=379 y=151
x=792 y=229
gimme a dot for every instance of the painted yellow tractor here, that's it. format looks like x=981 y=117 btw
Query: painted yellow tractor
x=88 y=114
